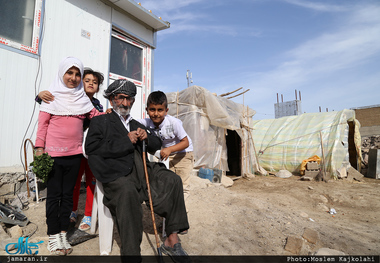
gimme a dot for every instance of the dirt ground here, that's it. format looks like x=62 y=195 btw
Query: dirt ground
x=256 y=217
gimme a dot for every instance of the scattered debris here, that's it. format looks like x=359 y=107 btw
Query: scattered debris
x=332 y=211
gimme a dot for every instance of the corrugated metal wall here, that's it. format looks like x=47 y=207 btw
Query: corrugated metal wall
x=80 y=28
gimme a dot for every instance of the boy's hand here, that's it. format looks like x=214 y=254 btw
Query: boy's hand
x=46 y=96
x=165 y=153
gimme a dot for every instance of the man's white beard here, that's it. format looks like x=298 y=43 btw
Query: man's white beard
x=123 y=111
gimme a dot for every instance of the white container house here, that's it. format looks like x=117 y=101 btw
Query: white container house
x=115 y=37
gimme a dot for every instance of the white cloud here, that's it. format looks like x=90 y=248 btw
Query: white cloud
x=342 y=48
x=321 y=6
x=337 y=69
x=183 y=17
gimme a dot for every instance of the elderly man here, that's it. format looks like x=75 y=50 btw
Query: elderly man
x=114 y=149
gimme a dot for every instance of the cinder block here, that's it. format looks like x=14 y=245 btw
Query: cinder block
x=294 y=244
x=354 y=174
x=312 y=166
x=311 y=235
x=311 y=173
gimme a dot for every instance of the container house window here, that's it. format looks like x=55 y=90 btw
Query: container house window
x=20 y=23
x=126 y=59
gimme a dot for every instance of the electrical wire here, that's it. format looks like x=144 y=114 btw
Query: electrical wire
x=39 y=68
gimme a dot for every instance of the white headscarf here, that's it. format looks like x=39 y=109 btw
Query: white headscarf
x=67 y=101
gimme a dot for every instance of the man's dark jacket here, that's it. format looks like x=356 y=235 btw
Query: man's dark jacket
x=109 y=149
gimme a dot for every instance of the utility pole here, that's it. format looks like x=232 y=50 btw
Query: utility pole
x=189 y=77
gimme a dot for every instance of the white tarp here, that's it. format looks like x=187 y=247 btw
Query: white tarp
x=206 y=118
x=283 y=143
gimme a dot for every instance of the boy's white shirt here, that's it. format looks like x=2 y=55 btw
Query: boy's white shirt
x=170 y=131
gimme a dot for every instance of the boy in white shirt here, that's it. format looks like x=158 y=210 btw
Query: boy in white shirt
x=176 y=144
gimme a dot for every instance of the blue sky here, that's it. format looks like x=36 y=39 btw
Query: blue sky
x=327 y=50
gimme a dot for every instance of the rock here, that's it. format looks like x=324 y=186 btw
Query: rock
x=197 y=182
x=307 y=178
x=328 y=252
x=303 y=214
x=249 y=175
x=226 y=181
x=311 y=235
x=284 y=174
x=6 y=189
x=323 y=207
x=3 y=234
x=15 y=232
x=354 y=174
x=294 y=244
x=323 y=199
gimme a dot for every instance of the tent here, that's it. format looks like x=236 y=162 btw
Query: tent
x=285 y=142
x=219 y=129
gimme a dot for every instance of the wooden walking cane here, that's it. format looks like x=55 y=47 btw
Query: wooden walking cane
x=151 y=203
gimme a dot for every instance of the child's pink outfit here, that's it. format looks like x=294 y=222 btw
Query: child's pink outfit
x=61 y=135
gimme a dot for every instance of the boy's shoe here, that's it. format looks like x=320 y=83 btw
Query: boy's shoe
x=73 y=216
x=85 y=224
x=177 y=253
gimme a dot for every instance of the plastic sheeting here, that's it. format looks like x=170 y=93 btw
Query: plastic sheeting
x=206 y=117
x=285 y=142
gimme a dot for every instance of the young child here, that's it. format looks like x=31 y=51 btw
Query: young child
x=60 y=134
x=91 y=82
x=176 y=144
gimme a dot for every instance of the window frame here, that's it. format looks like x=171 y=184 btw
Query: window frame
x=143 y=66
x=36 y=33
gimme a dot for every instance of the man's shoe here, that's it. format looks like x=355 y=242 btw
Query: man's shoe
x=177 y=253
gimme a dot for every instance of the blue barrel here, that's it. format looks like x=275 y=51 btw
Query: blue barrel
x=206 y=173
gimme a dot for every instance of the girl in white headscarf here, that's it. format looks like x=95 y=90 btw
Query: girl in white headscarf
x=60 y=134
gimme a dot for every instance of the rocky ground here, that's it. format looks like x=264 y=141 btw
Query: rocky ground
x=264 y=215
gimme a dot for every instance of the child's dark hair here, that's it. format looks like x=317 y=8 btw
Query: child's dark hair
x=157 y=97
x=96 y=74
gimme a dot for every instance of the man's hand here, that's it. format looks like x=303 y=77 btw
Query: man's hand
x=46 y=96
x=139 y=134
x=109 y=110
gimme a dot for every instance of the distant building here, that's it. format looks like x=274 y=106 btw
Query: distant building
x=369 y=118
x=287 y=108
